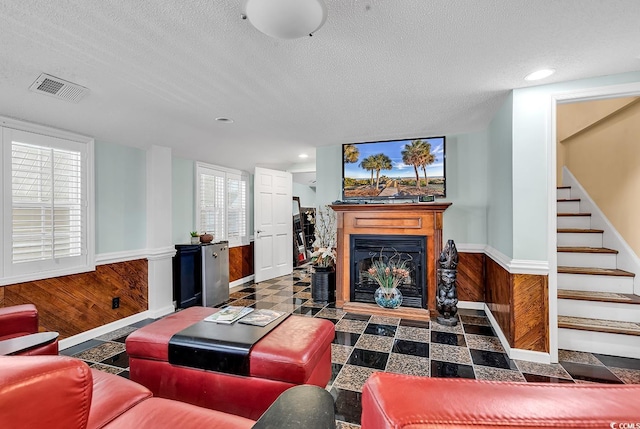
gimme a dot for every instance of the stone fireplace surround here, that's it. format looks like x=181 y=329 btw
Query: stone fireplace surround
x=388 y=219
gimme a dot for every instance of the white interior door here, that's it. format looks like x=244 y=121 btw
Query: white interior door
x=273 y=224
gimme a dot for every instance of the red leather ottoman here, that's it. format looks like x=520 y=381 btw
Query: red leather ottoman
x=298 y=351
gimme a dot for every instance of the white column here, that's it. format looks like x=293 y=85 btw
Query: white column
x=159 y=230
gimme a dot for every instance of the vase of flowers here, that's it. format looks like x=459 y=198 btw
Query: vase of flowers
x=388 y=273
x=323 y=258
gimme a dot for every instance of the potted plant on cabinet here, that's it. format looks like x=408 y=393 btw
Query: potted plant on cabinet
x=195 y=237
x=323 y=258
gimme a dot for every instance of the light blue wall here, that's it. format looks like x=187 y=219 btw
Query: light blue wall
x=467 y=179
x=306 y=194
x=183 y=211
x=465 y=221
x=183 y=189
x=120 y=180
x=499 y=170
x=328 y=174
x=531 y=122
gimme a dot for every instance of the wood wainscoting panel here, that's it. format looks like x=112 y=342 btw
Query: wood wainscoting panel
x=240 y=262
x=520 y=305
x=530 y=312
x=73 y=304
x=470 y=279
x=498 y=296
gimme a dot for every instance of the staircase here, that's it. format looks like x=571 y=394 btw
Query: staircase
x=597 y=310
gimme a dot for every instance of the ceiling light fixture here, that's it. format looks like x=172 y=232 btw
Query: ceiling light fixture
x=303 y=155
x=225 y=120
x=286 y=19
x=540 y=74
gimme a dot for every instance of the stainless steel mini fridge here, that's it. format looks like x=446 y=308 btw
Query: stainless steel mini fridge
x=215 y=273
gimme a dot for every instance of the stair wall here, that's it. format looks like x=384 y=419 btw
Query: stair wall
x=627 y=259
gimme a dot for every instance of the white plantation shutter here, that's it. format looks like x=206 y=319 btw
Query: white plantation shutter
x=45 y=226
x=236 y=207
x=212 y=204
x=222 y=203
x=46 y=203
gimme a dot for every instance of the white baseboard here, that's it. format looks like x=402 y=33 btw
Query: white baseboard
x=531 y=356
x=241 y=281
x=101 y=330
x=161 y=311
x=471 y=305
x=496 y=327
x=519 y=354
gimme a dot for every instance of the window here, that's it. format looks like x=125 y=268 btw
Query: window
x=47 y=215
x=222 y=203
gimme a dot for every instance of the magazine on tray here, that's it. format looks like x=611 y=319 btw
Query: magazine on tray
x=229 y=314
x=261 y=317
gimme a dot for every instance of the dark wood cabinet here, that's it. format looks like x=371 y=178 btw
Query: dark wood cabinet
x=187 y=275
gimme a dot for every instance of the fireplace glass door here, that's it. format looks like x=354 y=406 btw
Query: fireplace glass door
x=366 y=248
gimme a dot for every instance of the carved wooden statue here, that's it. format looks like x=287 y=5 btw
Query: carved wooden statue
x=447 y=296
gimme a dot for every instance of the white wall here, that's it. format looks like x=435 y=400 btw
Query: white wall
x=120 y=180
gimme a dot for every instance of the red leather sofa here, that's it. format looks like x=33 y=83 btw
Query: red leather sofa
x=62 y=392
x=402 y=401
x=298 y=351
x=19 y=320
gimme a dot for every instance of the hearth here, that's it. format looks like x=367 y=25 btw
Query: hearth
x=364 y=248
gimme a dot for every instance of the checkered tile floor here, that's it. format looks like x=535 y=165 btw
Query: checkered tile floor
x=365 y=344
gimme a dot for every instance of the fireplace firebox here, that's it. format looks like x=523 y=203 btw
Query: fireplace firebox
x=365 y=248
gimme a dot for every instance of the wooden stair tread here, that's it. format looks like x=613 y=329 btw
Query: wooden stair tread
x=566 y=249
x=595 y=271
x=599 y=325
x=574 y=214
x=582 y=295
x=580 y=230
x=564 y=200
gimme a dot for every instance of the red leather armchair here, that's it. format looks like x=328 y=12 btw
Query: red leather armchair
x=20 y=320
x=402 y=401
x=62 y=392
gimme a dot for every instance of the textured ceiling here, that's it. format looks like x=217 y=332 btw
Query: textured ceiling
x=161 y=71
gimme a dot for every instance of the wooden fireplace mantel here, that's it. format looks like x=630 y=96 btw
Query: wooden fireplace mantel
x=388 y=219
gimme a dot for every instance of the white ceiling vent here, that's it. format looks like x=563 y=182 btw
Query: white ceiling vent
x=58 y=88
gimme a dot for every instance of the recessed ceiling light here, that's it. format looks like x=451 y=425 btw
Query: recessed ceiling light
x=227 y=120
x=303 y=155
x=540 y=74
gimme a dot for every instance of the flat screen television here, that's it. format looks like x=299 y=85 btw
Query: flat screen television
x=402 y=169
